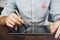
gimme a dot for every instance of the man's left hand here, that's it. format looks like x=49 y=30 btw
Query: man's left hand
x=55 y=27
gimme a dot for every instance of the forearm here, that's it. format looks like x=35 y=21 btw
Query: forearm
x=2 y=20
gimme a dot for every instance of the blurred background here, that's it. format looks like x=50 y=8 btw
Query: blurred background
x=2 y=4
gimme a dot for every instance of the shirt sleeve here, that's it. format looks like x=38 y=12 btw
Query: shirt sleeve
x=55 y=10
x=9 y=8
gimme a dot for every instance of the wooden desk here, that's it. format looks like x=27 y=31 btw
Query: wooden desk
x=4 y=35
x=30 y=36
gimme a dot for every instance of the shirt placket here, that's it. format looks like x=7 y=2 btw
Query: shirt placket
x=32 y=21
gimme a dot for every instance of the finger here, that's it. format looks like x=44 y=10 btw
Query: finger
x=15 y=21
x=51 y=28
x=57 y=33
x=55 y=26
x=18 y=18
x=13 y=15
x=11 y=22
x=8 y=24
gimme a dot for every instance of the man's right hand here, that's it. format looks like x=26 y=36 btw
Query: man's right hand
x=13 y=19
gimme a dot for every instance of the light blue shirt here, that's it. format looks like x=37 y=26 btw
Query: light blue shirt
x=33 y=11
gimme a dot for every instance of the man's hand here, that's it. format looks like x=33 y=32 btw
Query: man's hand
x=13 y=19
x=55 y=27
